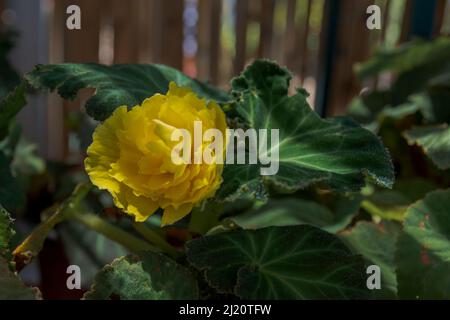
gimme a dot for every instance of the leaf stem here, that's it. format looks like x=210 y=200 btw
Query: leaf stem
x=33 y=244
x=155 y=238
x=114 y=233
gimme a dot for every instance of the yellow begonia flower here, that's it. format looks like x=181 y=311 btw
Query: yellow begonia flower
x=130 y=156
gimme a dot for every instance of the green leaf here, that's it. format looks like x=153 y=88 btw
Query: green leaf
x=11 y=105
x=149 y=276
x=115 y=85
x=6 y=232
x=423 y=249
x=377 y=244
x=425 y=62
x=392 y=204
x=435 y=142
x=12 y=288
x=9 y=77
x=334 y=152
x=410 y=55
x=11 y=195
x=387 y=204
x=292 y=211
x=296 y=262
x=414 y=188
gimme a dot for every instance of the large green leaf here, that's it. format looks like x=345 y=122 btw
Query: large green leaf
x=11 y=195
x=115 y=85
x=435 y=142
x=12 y=288
x=11 y=105
x=377 y=244
x=296 y=262
x=149 y=276
x=292 y=211
x=334 y=152
x=423 y=249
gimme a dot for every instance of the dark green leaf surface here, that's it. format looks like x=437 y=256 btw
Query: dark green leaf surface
x=377 y=244
x=423 y=249
x=297 y=262
x=335 y=152
x=406 y=57
x=435 y=142
x=11 y=287
x=11 y=195
x=11 y=105
x=150 y=276
x=425 y=62
x=116 y=85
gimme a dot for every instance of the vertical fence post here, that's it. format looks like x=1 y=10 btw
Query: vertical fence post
x=422 y=19
x=241 y=35
x=172 y=40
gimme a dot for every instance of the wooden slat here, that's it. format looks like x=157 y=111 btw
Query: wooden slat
x=352 y=46
x=266 y=28
x=241 y=35
x=81 y=46
x=304 y=43
x=2 y=7
x=209 y=39
x=156 y=32
x=126 y=30
x=216 y=14
x=56 y=134
x=439 y=17
x=406 y=21
x=172 y=40
x=291 y=35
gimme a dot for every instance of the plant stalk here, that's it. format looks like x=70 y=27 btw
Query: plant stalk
x=114 y=233
x=155 y=238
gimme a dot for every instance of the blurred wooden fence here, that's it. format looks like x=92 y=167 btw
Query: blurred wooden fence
x=319 y=40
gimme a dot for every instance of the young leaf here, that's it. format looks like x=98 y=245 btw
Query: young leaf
x=150 y=276
x=435 y=142
x=296 y=262
x=292 y=211
x=115 y=85
x=423 y=249
x=12 y=288
x=377 y=244
x=335 y=152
